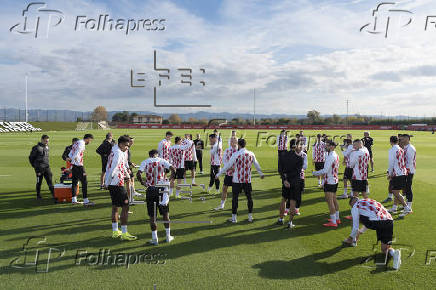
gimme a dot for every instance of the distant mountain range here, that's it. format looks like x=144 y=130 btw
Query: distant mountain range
x=11 y=114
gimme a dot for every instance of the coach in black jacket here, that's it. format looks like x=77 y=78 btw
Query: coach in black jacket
x=290 y=166
x=104 y=150
x=39 y=159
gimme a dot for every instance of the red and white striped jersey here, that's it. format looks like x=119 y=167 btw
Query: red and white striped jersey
x=282 y=142
x=370 y=208
x=410 y=156
x=304 y=155
x=177 y=155
x=76 y=153
x=397 y=164
x=164 y=149
x=117 y=167
x=318 y=152
x=190 y=154
x=154 y=169
x=242 y=160
x=359 y=160
x=216 y=153
x=227 y=156
x=331 y=169
x=346 y=154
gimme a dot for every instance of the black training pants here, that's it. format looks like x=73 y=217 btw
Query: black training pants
x=79 y=174
x=44 y=173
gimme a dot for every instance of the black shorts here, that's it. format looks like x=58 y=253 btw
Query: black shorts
x=370 y=153
x=398 y=182
x=348 y=173
x=319 y=166
x=293 y=192
x=228 y=180
x=154 y=195
x=103 y=164
x=384 y=229
x=359 y=185
x=330 y=187
x=166 y=170
x=189 y=165
x=118 y=195
x=180 y=172
x=238 y=187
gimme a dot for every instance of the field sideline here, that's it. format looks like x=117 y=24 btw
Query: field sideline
x=208 y=256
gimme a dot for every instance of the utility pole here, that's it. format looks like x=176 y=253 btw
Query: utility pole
x=254 y=107
x=348 y=102
x=27 y=114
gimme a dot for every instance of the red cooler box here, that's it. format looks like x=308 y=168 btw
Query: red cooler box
x=62 y=192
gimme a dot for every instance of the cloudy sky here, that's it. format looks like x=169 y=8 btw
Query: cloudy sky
x=298 y=55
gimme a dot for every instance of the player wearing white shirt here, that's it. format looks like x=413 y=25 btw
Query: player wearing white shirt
x=373 y=216
x=154 y=169
x=177 y=159
x=215 y=160
x=164 y=146
x=300 y=152
x=398 y=174
x=282 y=145
x=359 y=161
x=229 y=174
x=318 y=156
x=190 y=157
x=346 y=150
x=410 y=159
x=78 y=171
x=116 y=173
x=303 y=141
x=330 y=172
x=243 y=160
x=232 y=135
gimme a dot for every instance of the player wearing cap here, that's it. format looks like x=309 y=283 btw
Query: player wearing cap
x=330 y=172
x=398 y=174
x=410 y=159
x=243 y=160
x=375 y=217
x=215 y=160
x=117 y=173
x=154 y=169
x=78 y=171
x=318 y=156
x=229 y=174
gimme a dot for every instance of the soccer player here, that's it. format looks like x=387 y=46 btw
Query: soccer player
x=373 y=216
x=318 y=156
x=154 y=169
x=368 y=142
x=190 y=158
x=299 y=151
x=68 y=149
x=303 y=141
x=358 y=161
x=291 y=167
x=215 y=160
x=199 y=146
x=330 y=170
x=229 y=174
x=410 y=156
x=398 y=174
x=232 y=134
x=177 y=159
x=116 y=173
x=39 y=159
x=78 y=171
x=104 y=150
x=282 y=145
x=242 y=160
x=348 y=172
x=131 y=178
x=164 y=152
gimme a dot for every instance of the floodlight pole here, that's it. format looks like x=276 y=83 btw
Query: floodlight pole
x=26 y=116
x=254 y=107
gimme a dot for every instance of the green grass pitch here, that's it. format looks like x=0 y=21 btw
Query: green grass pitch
x=260 y=255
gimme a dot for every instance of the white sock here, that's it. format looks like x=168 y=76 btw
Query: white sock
x=391 y=252
x=154 y=235
x=177 y=192
x=193 y=180
x=351 y=193
x=233 y=216
x=333 y=218
x=223 y=203
x=85 y=200
x=184 y=180
x=280 y=219
x=409 y=204
x=337 y=215
x=390 y=195
x=74 y=199
x=394 y=207
x=124 y=229
x=114 y=227
x=168 y=231
x=287 y=209
x=345 y=190
x=250 y=216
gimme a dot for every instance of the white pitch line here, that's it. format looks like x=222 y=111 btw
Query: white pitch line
x=5 y=175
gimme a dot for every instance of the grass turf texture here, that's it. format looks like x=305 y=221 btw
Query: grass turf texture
x=205 y=256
